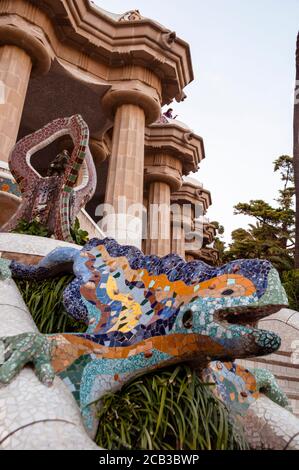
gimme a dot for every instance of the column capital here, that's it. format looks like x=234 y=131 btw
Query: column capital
x=136 y=93
x=208 y=255
x=175 y=138
x=209 y=232
x=192 y=192
x=163 y=167
x=18 y=32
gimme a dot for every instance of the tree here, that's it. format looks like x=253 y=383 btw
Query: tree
x=296 y=153
x=272 y=235
x=218 y=243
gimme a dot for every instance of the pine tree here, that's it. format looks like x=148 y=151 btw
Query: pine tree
x=272 y=235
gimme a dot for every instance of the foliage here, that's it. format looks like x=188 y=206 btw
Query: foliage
x=44 y=301
x=296 y=153
x=218 y=243
x=31 y=228
x=272 y=235
x=79 y=236
x=219 y=228
x=34 y=227
x=290 y=281
x=165 y=410
x=259 y=241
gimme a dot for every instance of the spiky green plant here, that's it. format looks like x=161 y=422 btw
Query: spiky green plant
x=31 y=228
x=44 y=301
x=34 y=227
x=79 y=236
x=169 y=409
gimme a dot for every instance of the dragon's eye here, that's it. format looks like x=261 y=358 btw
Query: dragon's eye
x=227 y=292
x=187 y=319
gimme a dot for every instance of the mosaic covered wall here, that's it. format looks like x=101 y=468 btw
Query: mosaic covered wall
x=9 y=185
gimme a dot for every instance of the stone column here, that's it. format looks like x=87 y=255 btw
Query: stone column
x=15 y=69
x=190 y=208
x=178 y=236
x=132 y=107
x=183 y=230
x=23 y=50
x=125 y=177
x=158 y=235
x=163 y=173
x=172 y=151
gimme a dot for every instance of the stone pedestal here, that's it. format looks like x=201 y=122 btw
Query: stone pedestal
x=15 y=69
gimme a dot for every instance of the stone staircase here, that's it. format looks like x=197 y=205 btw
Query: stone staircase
x=286 y=373
x=284 y=364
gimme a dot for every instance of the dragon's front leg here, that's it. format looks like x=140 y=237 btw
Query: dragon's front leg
x=267 y=384
x=17 y=351
x=76 y=358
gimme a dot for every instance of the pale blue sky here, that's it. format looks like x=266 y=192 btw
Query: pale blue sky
x=241 y=99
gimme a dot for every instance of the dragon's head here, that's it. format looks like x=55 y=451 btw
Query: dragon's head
x=203 y=312
x=226 y=307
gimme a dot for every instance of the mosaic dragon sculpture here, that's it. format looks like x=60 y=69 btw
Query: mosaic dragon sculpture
x=145 y=312
x=56 y=199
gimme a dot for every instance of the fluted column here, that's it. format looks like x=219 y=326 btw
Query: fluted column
x=133 y=105
x=163 y=174
x=178 y=235
x=192 y=201
x=23 y=50
x=15 y=69
x=125 y=177
x=158 y=222
x=127 y=156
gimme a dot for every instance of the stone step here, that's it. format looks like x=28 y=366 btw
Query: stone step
x=286 y=373
x=277 y=366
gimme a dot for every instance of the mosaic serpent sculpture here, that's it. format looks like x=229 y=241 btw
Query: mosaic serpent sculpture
x=145 y=312
x=54 y=200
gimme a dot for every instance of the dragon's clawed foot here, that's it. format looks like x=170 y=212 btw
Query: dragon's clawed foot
x=17 y=351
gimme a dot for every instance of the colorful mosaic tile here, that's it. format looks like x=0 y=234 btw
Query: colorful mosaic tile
x=144 y=312
x=8 y=185
x=53 y=200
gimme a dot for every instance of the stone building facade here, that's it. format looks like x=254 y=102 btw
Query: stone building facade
x=63 y=57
